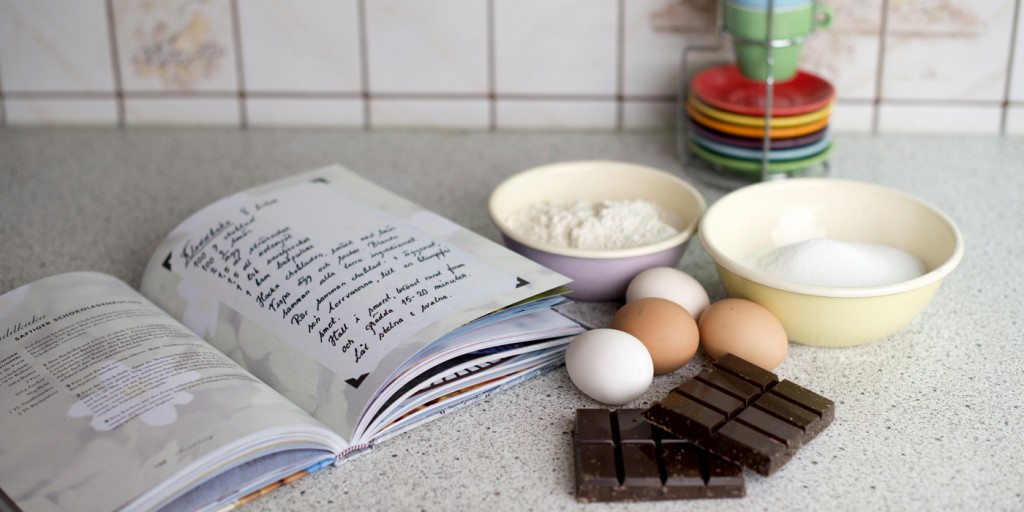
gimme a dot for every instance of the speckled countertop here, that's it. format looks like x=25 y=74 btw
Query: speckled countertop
x=929 y=419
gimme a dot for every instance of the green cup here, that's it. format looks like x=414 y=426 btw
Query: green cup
x=749 y=26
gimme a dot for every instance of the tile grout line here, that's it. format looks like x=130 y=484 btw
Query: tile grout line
x=313 y=95
x=1008 y=88
x=492 y=74
x=328 y=95
x=364 y=62
x=620 y=65
x=3 y=103
x=115 y=64
x=883 y=36
x=236 y=29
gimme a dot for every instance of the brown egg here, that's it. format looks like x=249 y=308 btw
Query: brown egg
x=664 y=327
x=746 y=329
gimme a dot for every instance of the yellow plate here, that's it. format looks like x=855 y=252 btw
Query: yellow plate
x=740 y=119
x=786 y=132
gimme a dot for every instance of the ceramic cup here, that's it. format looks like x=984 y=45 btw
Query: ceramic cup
x=750 y=26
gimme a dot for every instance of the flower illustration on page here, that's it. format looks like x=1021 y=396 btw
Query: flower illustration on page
x=126 y=393
x=201 y=310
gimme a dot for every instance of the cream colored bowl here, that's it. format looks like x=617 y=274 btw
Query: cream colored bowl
x=763 y=216
x=598 y=274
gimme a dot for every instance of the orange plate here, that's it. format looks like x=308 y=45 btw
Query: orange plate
x=740 y=119
x=787 y=132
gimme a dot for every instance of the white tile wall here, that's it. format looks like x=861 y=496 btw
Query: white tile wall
x=648 y=115
x=847 y=53
x=952 y=119
x=427 y=46
x=70 y=111
x=1016 y=85
x=952 y=66
x=55 y=45
x=655 y=33
x=305 y=111
x=948 y=50
x=439 y=113
x=1015 y=121
x=1015 y=112
x=851 y=117
x=556 y=114
x=300 y=45
x=556 y=47
x=181 y=111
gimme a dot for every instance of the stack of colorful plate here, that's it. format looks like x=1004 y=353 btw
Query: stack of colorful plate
x=727 y=121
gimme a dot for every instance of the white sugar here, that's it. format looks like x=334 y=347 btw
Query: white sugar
x=828 y=262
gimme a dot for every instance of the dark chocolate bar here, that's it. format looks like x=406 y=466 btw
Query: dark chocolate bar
x=621 y=457
x=742 y=413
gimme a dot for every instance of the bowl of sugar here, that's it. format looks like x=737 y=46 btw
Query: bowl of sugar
x=597 y=222
x=839 y=262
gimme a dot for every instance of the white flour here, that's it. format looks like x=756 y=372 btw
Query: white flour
x=827 y=262
x=609 y=224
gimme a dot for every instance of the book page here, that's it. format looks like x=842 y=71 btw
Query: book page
x=496 y=343
x=335 y=282
x=339 y=280
x=104 y=397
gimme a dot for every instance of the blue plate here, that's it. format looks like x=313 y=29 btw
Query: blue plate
x=754 y=168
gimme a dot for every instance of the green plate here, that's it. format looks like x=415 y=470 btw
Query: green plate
x=753 y=167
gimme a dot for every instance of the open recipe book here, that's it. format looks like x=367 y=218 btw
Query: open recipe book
x=275 y=332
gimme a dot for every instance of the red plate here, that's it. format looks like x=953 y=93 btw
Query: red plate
x=726 y=88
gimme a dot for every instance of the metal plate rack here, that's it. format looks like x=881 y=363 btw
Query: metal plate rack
x=725 y=176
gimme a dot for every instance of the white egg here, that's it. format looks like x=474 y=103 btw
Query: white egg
x=671 y=284
x=610 y=366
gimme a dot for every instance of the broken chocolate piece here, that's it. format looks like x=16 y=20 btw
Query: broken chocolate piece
x=621 y=457
x=742 y=413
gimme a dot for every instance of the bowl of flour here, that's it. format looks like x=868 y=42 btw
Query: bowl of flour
x=597 y=222
x=839 y=262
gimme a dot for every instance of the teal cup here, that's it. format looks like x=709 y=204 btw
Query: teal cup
x=749 y=27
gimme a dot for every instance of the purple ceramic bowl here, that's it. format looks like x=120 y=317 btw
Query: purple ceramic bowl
x=599 y=279
x=598 y=275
